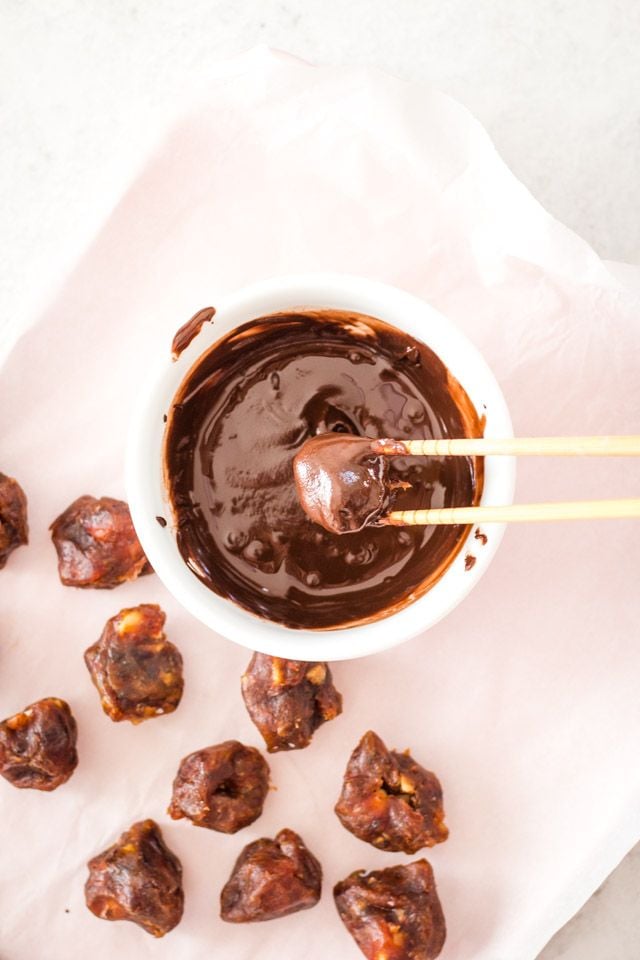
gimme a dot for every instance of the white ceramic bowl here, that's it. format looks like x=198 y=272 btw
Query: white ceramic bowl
x=148 y=499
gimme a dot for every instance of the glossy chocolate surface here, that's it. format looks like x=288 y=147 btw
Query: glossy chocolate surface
x=341 y=483
x=245 y=410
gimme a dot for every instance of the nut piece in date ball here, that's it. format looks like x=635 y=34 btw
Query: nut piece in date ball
x=38 y=746
x=137 y=879
x=97 y=545
x=393 y=914
x=222 y=787
x=137 y=671
x=389 y=800
x=14 y=531
x=270 y=879
x=289 y=699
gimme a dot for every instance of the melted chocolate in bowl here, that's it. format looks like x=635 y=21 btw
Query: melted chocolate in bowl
x=243 y=412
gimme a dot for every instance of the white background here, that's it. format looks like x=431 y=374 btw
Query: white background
x=88 y=86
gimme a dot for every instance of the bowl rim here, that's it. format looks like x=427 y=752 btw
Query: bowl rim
x=148 y=499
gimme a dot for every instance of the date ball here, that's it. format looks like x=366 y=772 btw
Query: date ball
x=38 y=746
x=270 y=879
x=137 y=671
x=389 y=800
x=393 y=914
x=289 y=699
x=222 y=787
x=97 y=545
x=137 y=879
x=14 y=531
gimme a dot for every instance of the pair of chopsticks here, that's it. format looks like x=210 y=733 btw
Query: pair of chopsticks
x=517 y=447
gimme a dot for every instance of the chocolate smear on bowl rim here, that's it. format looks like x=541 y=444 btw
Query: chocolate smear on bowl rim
x=190 y=330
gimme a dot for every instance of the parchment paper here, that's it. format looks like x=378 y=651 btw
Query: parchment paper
x=524 y=701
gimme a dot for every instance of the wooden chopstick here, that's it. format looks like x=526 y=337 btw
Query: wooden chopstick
x=517 y=512
x=514 y=447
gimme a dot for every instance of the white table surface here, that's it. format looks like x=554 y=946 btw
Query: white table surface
x=87 y=87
